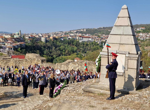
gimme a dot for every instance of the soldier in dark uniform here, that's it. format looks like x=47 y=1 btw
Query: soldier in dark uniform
x=148 y=74
x=142 y=75
x=112 y=67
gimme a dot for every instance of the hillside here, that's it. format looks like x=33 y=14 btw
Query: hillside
x=3 y=32
x=106 y=30
x=145 y=48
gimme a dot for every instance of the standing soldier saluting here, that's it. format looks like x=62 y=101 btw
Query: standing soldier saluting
x=112 y=67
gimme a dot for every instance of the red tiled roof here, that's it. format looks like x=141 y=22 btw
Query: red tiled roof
x=15 y=44
x=1 y=36
x=18 y=56
x=32 y=35
x=9 y=47
x=21 y=42
x=85 y=36
x=77 y=58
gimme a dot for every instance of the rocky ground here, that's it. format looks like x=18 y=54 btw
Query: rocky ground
x=72 y=98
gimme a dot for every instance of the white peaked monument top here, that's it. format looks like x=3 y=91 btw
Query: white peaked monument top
x=122 y=36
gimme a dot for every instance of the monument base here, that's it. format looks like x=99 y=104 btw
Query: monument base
x=98 y=88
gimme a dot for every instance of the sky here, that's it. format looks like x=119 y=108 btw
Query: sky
x=45 y=16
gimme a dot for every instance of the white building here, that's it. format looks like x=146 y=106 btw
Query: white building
x=85 y=39
x=7 y=36
x=43 y=39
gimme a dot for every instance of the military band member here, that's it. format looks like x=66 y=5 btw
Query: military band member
x=112 y=67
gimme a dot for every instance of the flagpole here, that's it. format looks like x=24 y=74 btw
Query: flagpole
x=107 y=55
x=107 y=59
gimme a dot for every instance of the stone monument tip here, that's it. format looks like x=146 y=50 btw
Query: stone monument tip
x=124 y=6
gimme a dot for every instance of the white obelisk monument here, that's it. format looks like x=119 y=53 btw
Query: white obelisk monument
x=123 y=42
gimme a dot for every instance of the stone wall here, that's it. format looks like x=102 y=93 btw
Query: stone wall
x=70 y=64
x=31 y=59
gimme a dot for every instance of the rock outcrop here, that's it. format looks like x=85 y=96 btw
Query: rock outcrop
x=31 y=59
x=70 y=64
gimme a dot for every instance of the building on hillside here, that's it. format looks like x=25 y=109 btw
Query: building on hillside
x=27 y=37
x=19 y=32
x=43 y=39
x=7 y=36
x=2 y=43
x=22 y=44
x=77 y=59
x=15 y=45
x=8 y=43
x=85 y=39
x=69 y=37
x=1 y=38
x=53 y=38
x=61 y=38
x=17 y=35
x=9 y=48
x=141 y=28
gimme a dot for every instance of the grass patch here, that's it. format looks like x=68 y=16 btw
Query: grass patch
x=92 y=106
x=101 y=94
x=105 y=108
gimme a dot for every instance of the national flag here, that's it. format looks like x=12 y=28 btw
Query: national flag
x=149 y=67
x=85 y=67
x=107 y=45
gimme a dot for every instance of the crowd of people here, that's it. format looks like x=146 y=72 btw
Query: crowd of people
x=36 y=76
x=143 y=75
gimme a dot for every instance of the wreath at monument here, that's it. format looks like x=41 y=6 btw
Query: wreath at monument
x=98 y=63
x=59 y=88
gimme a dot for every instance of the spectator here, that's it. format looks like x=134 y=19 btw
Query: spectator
x=91 y=76
x=68 y=77
x=52 y=85
x=37 y=80
x=58 y=79
x=42 y=83
x=18 y=80
x=34 y=80
x=25 y=83
x=86 y=76
x=71 y=78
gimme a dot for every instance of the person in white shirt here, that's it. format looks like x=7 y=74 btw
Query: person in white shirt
x=12 y=69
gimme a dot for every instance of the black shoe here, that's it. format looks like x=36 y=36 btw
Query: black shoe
x=110 y=98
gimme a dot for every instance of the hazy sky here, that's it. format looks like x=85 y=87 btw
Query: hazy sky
x=43 y=16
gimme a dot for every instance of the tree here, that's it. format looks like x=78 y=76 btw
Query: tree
x=53 y=50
